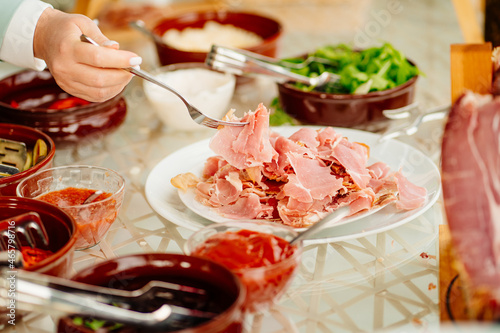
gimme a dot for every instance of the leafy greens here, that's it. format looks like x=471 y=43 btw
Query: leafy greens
x=371 y=69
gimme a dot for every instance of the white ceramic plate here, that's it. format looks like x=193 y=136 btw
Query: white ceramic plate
x=418 y=168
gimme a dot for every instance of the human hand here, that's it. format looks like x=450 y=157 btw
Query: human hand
x=81 y=69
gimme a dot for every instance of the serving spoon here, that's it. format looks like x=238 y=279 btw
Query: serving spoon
x=342 y=212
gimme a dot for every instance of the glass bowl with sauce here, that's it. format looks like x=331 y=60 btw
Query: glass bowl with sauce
x=33 y=98
x=259 y=253
x=68 y=187
x=223 y=292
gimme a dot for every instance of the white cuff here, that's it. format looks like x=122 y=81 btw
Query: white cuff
x=17 y=46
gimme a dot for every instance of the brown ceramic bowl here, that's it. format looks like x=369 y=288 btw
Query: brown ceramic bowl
x=345 y=110
x=60 y=227
x=29 y=136
x=25 y=97
x=224 y=290
x=267 y=28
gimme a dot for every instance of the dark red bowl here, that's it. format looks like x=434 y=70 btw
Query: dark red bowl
x=60 y=227
x=33 y=91
x=61 y=231
x=269 y=29
x=134 y=271
x=345 y=110
x=29 y=136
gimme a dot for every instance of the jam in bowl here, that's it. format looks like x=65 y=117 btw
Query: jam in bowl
x=259 y=253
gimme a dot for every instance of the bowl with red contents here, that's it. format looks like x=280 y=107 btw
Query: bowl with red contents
x=218 y=292
x=259 y=253
x=55 y=257
x=91 y=195
x=33 y=98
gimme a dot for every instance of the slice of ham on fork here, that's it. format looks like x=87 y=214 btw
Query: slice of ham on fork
x=471 y=186
x=246 y=146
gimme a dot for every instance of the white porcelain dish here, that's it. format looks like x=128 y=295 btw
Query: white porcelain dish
x=209 y=91
x=418 y=168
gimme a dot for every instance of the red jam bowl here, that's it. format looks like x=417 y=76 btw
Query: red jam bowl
x=345 y=110
x=68 y=186
x=269 y=29
x=29 y=136
x=225 y=292
x=26 y=95
x=60 y=227
x=250 y=250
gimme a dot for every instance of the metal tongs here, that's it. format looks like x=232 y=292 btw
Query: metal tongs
x=240 y=62
x=58 y=296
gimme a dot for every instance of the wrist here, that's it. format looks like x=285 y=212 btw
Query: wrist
x=42 y=27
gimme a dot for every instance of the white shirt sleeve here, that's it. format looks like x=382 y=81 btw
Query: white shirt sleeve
x=17 y=46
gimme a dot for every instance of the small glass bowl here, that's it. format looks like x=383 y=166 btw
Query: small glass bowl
x=265 y=284
x=93 y=219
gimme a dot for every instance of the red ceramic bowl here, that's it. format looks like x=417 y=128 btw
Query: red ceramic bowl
x=345 y=110
x=60 y=227
x=269 y=29
x=29 y=136
x=224 y=290
x=25 y=97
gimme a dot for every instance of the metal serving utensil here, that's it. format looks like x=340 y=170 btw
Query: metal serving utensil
x=141 y=27
x=198 y=116
x=13 y=156
x=18 y=231
x=239 y=62
x=340 y=213
x=58 y=296
x=415 y=115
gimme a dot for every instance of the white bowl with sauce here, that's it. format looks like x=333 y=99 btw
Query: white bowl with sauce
x=208 y=90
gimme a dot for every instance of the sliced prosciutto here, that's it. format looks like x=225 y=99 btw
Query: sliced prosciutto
x=471 y=186
x=295 y=180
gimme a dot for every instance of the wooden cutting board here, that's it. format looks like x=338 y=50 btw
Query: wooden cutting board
x=471 y=69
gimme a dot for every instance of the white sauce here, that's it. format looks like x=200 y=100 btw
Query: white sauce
x=200 y=40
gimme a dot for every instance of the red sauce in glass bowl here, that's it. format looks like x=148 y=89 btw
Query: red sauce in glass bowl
x=93 y=219
x=265 y=263
x=71 y=196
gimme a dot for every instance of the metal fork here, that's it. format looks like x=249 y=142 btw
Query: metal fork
x=198 y=116
x=415 y=115
x=239 y=62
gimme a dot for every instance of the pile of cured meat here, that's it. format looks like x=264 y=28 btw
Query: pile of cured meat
x=296 y=180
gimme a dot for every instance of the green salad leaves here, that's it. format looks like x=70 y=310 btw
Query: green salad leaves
x=372 y=69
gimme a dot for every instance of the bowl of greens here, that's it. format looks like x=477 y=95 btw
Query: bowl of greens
x=370 y=81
